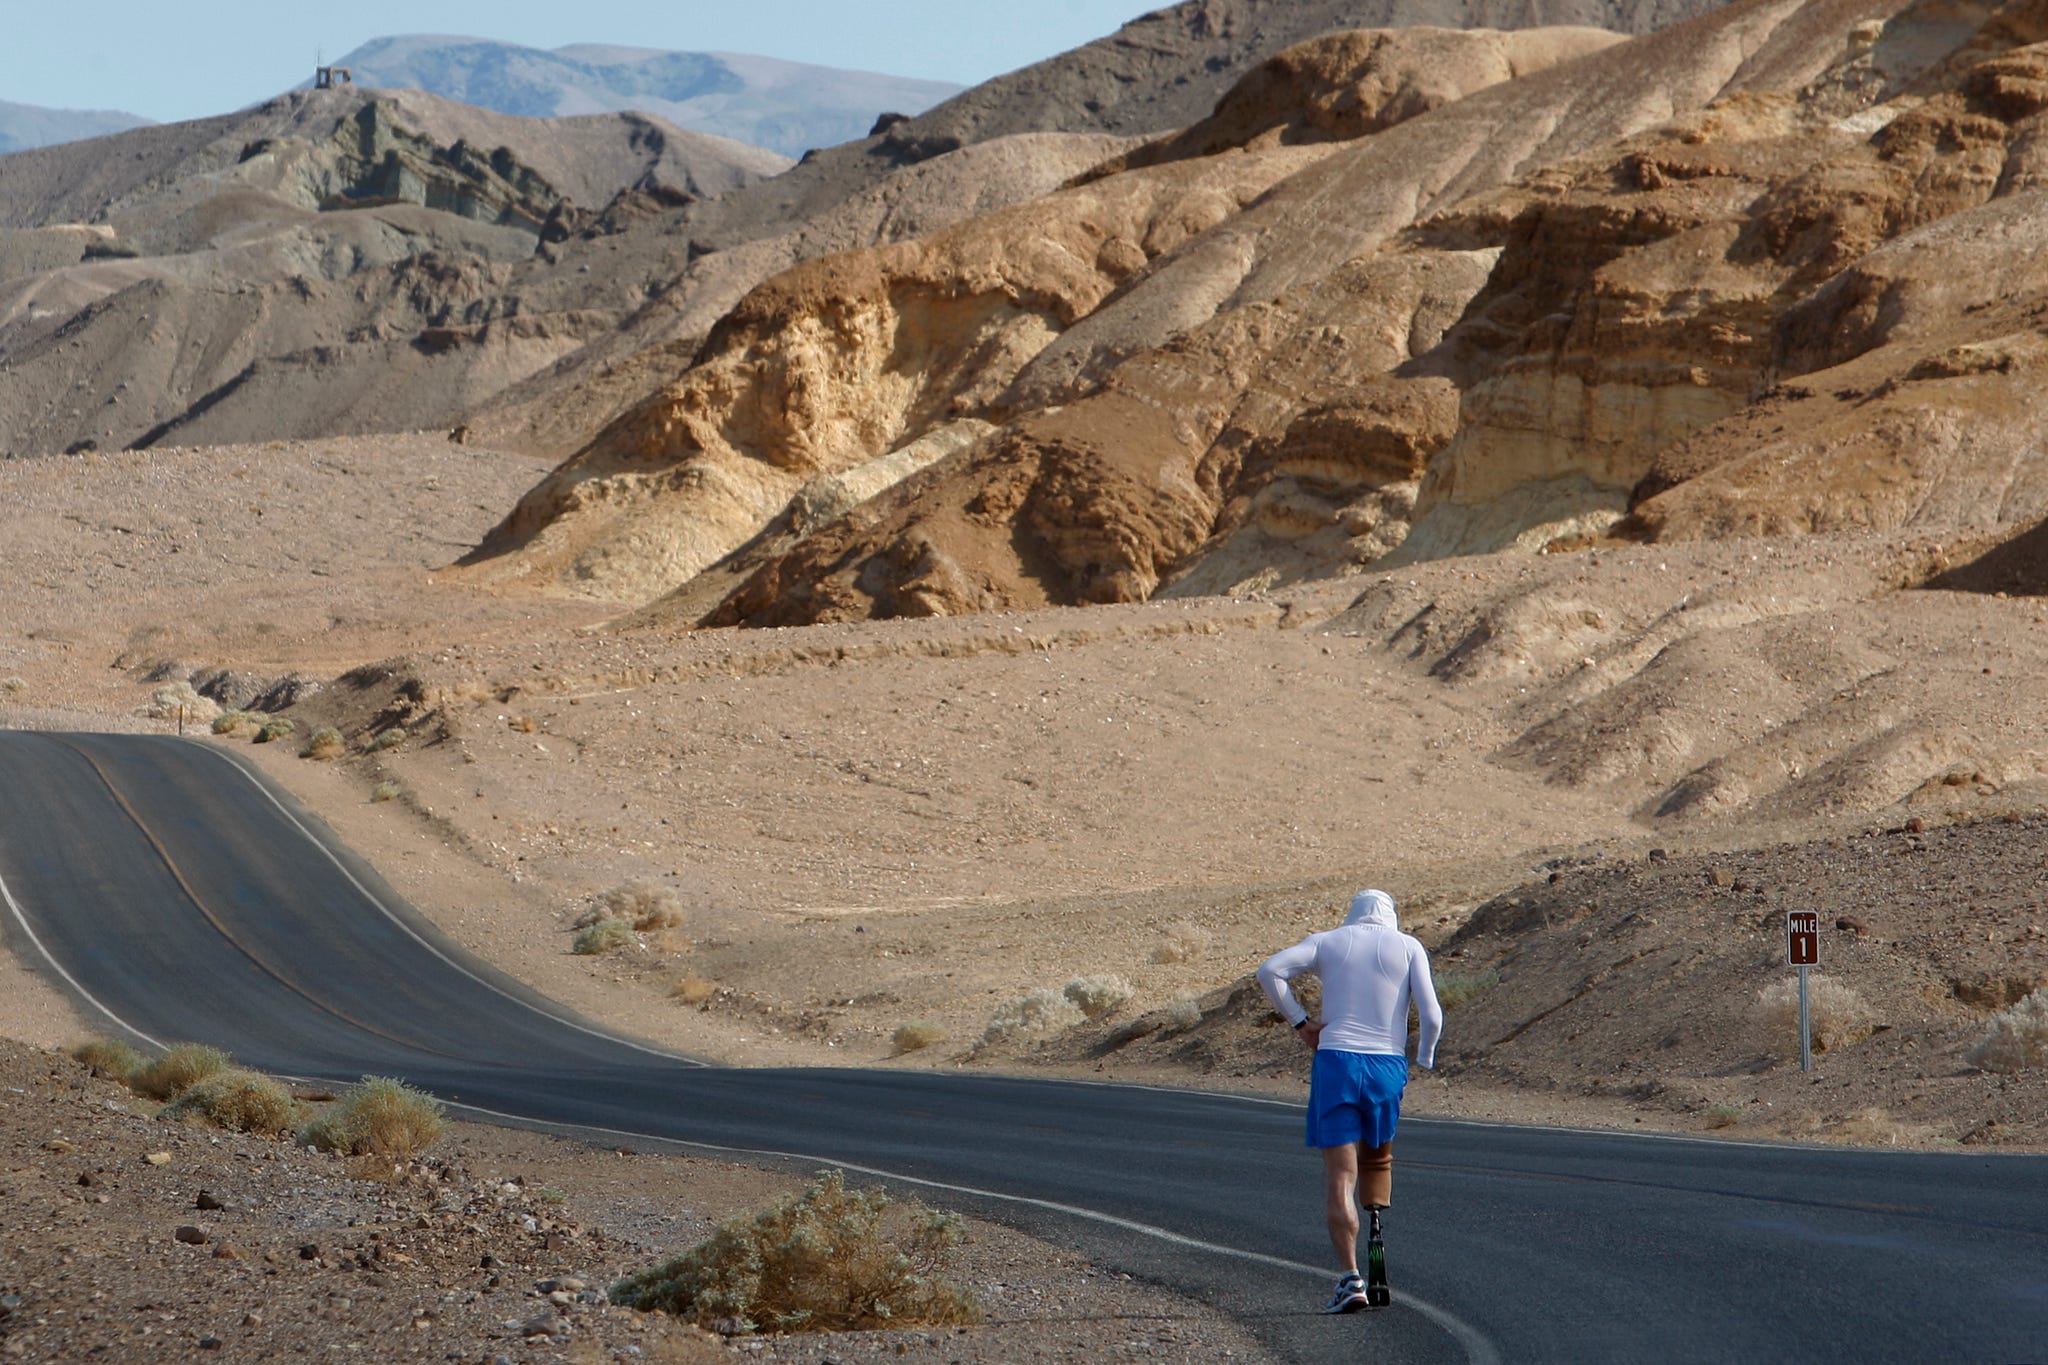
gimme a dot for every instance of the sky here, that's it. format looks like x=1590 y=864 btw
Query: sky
x=176 y=59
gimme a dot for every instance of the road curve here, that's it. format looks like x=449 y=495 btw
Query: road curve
x=179 y=895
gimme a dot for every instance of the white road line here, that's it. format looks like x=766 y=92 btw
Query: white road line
x=409 y=931
x=1478 y=1348
x=22 y=919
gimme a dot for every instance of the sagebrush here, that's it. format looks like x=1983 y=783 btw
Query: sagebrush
x=2017 y=1038
x=326 y=743
x=1096 y=996
x=234 y=722
x=829 y=1260
x=184 y=1065
x=693 y=990
x=381 y=1117
x=108 y=1057
x=1455 y=988
x=912 y=1035
x=239 y=1101
x=1034 y=1013
x=275 y=729
x=1839 y=1015
x=1181 y=943
x=644 y=905
x=603 y=937
x=386 y=791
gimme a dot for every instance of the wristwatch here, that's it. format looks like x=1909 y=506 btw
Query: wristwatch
x=1302 y=1024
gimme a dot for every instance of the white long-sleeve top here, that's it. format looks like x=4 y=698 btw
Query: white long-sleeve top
x=1370 y=972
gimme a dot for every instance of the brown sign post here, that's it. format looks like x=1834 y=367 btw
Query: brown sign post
x=1802 y=950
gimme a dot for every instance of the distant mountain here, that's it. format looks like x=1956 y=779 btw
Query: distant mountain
x=785 y=106
x=23 y=126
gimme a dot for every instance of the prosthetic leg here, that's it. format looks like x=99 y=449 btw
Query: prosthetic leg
x=1376 y=1293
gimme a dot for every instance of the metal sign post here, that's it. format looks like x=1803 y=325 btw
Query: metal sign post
x=1802 y=950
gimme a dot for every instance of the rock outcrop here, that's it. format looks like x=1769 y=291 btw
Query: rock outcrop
x=1763 y=273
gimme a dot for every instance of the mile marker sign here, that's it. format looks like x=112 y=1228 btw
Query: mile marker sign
x=1802 y=938
x=1802 y=950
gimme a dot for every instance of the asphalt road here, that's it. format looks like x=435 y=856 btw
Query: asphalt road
x=181 y=896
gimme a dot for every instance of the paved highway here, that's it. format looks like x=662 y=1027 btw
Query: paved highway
x=179 y=895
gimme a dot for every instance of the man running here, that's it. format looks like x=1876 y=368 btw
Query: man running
x=1370 y=972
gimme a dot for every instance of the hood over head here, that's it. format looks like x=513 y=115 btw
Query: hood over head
x=1373 y=907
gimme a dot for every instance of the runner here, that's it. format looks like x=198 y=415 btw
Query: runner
x=1370 y=972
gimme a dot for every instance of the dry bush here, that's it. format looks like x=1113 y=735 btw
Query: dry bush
x=915 y=1034
x=275 y=729
x=1034 y=1013
x=693 y=990
x=1183 y=1014
x=108 y=1057
x=390 y=739
x=381 y=1117
x=1455 y=988
x=386 y=791
x=1181 y=943
x=1096 y=996
x=603 y=937
x=1840 y=1016
x=1723 y=1115
x=2018 y=1037
x=13 y=682
x=326 y=743
x=644 y=905
x=166 y=701
x=1869 y=1127
x=234 y=722
x=184 y=1065
x=239 y=1101
x=828 y=1260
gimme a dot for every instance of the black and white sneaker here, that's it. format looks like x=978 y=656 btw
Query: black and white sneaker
x=1350 y=1295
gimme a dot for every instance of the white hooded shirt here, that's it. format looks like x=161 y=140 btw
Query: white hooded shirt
x=1370 y=972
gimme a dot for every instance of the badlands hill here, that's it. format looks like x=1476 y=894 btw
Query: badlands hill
x=788 y=107
x=1405 y=295
x=23 y=126
x=527 y=313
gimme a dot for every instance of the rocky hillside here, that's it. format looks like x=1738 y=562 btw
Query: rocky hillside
x=788 y=107
x=23 y=126
x=1404 y=295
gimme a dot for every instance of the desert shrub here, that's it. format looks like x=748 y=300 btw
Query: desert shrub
x=386 y=791
x=184 y=1065
x=1723 y=1115
x=1033 y=1013
x=274 y=729
x=234 y=722
x=1183 y=1014
x=380 y=1117
x=1096 y=996
x=239 y=1101
x=390 y=739
x=108 y=1057
x=326 y=743
x=1455 y=988
x=693 y=990
x=644 y=905
x=828 y=1260
x=914 y=1034
x=13 y=682
x=603 y=937
x=1840 y=1016
x=2017 y=1038
x=1181 y=943
x=166 y=701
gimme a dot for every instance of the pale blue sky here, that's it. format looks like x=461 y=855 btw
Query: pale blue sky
x=165 y=60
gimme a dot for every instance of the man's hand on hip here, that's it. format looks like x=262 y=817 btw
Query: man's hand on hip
x=1311 y=1034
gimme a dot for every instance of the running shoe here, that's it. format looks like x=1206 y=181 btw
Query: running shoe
x=1350 y=1296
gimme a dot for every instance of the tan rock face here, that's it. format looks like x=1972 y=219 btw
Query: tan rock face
x=1743 y=277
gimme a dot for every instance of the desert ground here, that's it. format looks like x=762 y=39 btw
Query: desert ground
x=864 y=826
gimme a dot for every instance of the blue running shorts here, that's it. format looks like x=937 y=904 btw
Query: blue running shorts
x=1354 y=1097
